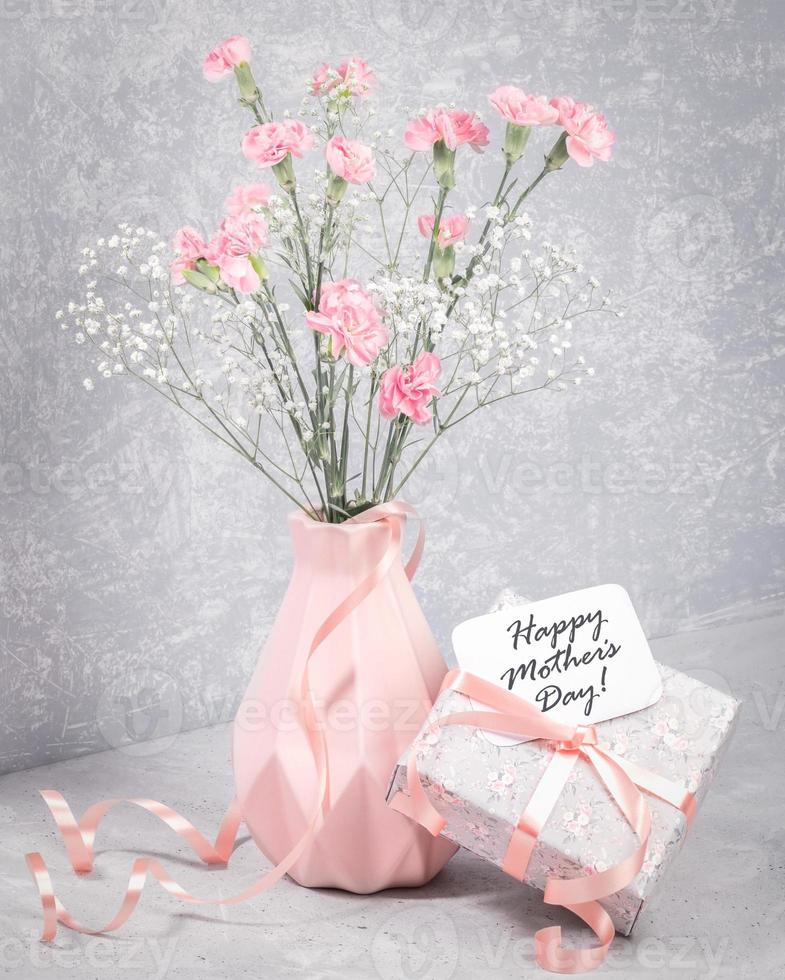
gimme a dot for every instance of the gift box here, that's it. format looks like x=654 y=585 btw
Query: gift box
x=481 y=788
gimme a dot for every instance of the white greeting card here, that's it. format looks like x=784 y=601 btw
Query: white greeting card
x=581 y=657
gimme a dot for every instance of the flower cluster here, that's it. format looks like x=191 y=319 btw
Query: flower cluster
x=188 y=246
x=272 y=142
x=350 y=160
x=222 y=60
x=233 y=248
x=409 y=389
x=324 y=311
x=231 y=257
x=451 y=229
x=521 y=109
x=247 y=198
x=347 y=314
x=450 y=127
x=351 y=79
x=586 y=135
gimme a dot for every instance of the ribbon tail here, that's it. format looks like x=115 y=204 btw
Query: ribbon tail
x=54 y=911
x=551 y=955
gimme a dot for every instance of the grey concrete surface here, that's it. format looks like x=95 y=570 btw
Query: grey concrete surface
x=136 y=556
x=720 y=913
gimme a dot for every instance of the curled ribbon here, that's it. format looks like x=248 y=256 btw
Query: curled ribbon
x=79 y=836
x=623 y=780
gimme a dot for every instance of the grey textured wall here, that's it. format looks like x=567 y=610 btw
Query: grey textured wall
x=142 y=565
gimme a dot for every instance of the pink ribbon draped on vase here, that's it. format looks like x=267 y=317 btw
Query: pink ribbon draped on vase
x=510 y=716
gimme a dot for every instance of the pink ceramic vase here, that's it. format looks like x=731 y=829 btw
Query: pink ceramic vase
x=374 y=678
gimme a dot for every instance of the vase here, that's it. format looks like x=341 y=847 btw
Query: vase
x=374 y=679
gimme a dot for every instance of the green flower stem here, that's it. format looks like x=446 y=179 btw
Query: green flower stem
x=333 y=490
x=345 y=434
x=437 y=217
x=286 y=396
x=442 y=429
x=324 y=239
x=540 y=176
x=395 y=458
x=303 y=240
x=367 y=435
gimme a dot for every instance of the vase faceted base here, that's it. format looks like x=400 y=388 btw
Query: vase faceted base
x=362 y=847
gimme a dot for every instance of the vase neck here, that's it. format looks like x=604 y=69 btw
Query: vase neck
x=353 y=549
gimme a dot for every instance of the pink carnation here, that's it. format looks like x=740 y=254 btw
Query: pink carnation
x=320 y=80
x=451 y=229
x=349 y=316
x=407 y=389
x=587 y=131
x=271 y=142
x=453 y=127
x=246 y=198
x=350 y=159
x=356 y=76
x=231 y=248
x=188 y=246
x=517 y=107
x=352 y=77
x=225 y=58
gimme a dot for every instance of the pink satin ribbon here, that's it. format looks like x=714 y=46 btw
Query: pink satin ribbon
x=513 y=716
x=79 y=836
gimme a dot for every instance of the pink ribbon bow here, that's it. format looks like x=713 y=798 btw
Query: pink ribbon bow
x=513 y=716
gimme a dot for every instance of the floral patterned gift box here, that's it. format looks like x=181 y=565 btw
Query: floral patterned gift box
x=482 y=789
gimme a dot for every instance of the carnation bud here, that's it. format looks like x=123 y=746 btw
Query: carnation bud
x=515 y=140
x=199 y=280
x=249 y=91
x=336 y=188
x=444 y=262
x=558 y=155
x=444 y=165
x=259 y=267
x=284 y=173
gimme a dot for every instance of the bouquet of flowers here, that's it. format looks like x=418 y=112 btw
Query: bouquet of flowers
x=363 y=315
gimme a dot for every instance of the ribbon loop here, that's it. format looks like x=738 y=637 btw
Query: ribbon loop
x=583 y=735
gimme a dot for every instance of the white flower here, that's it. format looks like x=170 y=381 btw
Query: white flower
x=88 y=385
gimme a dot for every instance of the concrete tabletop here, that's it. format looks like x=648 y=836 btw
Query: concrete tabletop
x=719 y=913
